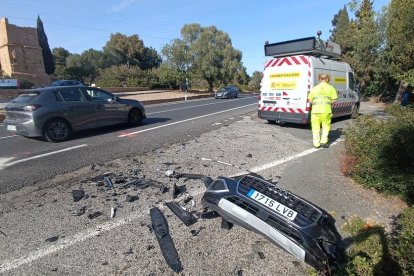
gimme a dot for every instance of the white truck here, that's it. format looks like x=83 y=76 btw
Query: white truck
x=295 y=67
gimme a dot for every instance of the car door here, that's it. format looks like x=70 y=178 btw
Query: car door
x=108 y=110
x=73 y=106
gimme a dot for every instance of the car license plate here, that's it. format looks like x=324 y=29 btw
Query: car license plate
x=272 y=204
x=11 y=128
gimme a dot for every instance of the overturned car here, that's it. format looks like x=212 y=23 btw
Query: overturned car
x=291 y=222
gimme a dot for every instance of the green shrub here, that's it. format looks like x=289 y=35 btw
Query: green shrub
x=403 y=243
x=383 y=152
x=26 y=84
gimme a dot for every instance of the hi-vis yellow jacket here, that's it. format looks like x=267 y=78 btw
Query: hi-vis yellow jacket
x=321 y=97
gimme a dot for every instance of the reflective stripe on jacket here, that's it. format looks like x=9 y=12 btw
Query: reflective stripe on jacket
x=321 y=97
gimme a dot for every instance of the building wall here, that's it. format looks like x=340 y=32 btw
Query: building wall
x=20 y=53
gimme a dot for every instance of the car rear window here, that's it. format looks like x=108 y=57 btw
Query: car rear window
x=26 y=97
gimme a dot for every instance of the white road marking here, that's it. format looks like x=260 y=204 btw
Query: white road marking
x=3 y=165
x=186 y=120
x=5 y=137
x=287 y=159
x=98 y=229
x=215 y=103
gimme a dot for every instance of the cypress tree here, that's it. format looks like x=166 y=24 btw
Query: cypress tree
x=44 y=44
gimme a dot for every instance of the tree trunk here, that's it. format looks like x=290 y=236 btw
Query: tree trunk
x=210 y=86
x=400 y=91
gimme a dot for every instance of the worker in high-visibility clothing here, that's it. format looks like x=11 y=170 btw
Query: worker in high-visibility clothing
x=322 y=97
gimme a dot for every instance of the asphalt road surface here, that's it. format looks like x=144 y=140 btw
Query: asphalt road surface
x=26 y=161
x=45 y=230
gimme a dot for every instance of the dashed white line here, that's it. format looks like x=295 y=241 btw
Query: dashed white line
x=8 y=164
x=98 y=229
x=186 y=120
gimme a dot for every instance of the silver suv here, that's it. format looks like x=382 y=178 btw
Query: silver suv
x=56 y=112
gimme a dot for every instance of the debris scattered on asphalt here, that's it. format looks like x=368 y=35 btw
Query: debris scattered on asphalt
x=54 y=269
x=52 y=239
x=188 y=199
x=187 y=218
x=177 y=190
x=105 y=263
x=249 y=155
x=131 y=198
x=160 y=226
x=164 y=189
x=79 y=211
x=108 y=181
x=129 y=252
x=240 y=272
x=226 y=224
x=94 y=215
x=4 y=234
x=149 y=247
x=78 y=195
x=196 y=232
x=113 y=210
x=261 y=255
x=169 y=173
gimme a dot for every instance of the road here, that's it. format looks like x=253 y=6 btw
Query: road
x=26 y=161
x=43 y=232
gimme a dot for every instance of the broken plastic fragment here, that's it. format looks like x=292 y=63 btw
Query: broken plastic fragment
x=78 y=195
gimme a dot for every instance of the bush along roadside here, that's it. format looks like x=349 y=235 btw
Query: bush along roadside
x=379 y=154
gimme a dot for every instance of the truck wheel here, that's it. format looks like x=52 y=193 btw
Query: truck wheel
x=56 y=130
x=355 y=111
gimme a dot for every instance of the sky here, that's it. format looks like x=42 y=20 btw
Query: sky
x=79 y=25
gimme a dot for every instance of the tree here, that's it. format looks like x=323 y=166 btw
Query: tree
x=400 y=42
x=130 y=50
x=365 y=41
x=44 y=44
x=255 y=81
x=205 y=53
x=342 y=31
x=59 y=56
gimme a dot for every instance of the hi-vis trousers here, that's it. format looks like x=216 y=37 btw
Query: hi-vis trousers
x=318 y=119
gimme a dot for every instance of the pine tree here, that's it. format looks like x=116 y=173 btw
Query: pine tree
x=44 y=44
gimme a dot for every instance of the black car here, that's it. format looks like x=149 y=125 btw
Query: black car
x=65 y=83
x=227 y=92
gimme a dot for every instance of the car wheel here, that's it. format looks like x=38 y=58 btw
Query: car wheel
x=57 y=130
x=272 y=122
x=134 y=117
x=355 y=111
x=237 y=95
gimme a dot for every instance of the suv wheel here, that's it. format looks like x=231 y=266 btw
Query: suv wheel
x=134 y=117
x=56 y=131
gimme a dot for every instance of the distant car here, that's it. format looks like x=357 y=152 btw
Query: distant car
x=65 y=83
x=227 y=92
x=56 y=112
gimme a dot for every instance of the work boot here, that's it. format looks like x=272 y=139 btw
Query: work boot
x=325 y=145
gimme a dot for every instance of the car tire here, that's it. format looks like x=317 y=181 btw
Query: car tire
x=355 y=111
x=57 y=130
x=237 y=95
x=272 y=122
x=134 y=117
